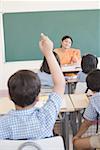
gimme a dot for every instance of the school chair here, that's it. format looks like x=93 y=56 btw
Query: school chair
x=53 y=143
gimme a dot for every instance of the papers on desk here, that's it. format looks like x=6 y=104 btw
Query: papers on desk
x=71 y=68
x=79 y=101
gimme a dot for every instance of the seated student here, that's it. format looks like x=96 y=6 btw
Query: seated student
x=45 y=74
x=93 y=109
x=88 y=63
x=27 y=121
x=67 y=54
x=88 y=143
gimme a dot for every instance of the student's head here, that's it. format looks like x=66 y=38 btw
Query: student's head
x=24 y=87
x=45 y=67
x=88 y=63
x=66 y=42
x=93 y=80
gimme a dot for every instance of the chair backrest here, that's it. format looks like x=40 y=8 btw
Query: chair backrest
x=53 y=143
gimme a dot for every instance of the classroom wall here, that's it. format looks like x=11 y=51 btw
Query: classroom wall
x=7 y=68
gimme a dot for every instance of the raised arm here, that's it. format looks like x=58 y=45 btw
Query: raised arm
x=46 y=47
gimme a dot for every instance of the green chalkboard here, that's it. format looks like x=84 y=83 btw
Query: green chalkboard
x=22 y=32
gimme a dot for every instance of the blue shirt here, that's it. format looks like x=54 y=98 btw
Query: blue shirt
x=81 y=76
x=45 y=78
x=93 y=108
x=34 y=123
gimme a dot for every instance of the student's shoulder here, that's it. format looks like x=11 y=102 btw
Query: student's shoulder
x=81 y=76
x=95 y=101
x=95 y=98
x=39 y=73
x=80 y=73
x=5 y=119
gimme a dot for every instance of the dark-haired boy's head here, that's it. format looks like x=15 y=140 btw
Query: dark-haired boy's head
x=45 y=67
x=89 y=62
x=93 y=80
x=24 y=86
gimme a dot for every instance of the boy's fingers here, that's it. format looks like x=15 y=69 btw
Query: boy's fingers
x=43 y=36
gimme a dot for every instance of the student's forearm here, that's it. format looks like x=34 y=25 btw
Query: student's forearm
x=82 y=143
x=85 y=125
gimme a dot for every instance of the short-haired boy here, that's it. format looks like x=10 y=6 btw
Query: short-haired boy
x=28 y=122
x=91 y=112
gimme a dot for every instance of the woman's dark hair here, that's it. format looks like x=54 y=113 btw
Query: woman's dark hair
x=88 y=63
x=24 y=86
x=67 y=37
x=45 y=67
x=93 y=80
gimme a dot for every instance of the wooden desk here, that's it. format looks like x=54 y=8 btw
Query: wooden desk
x=6 y=104
x=70 y=102
x=79 y=101
x=66 y=106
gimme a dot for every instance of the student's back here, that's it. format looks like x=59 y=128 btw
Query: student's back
x=91 y=114
x=27 y=121
x=88 y=63
x=45 y=74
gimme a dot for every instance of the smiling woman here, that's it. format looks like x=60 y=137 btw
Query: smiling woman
x=67 y=54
